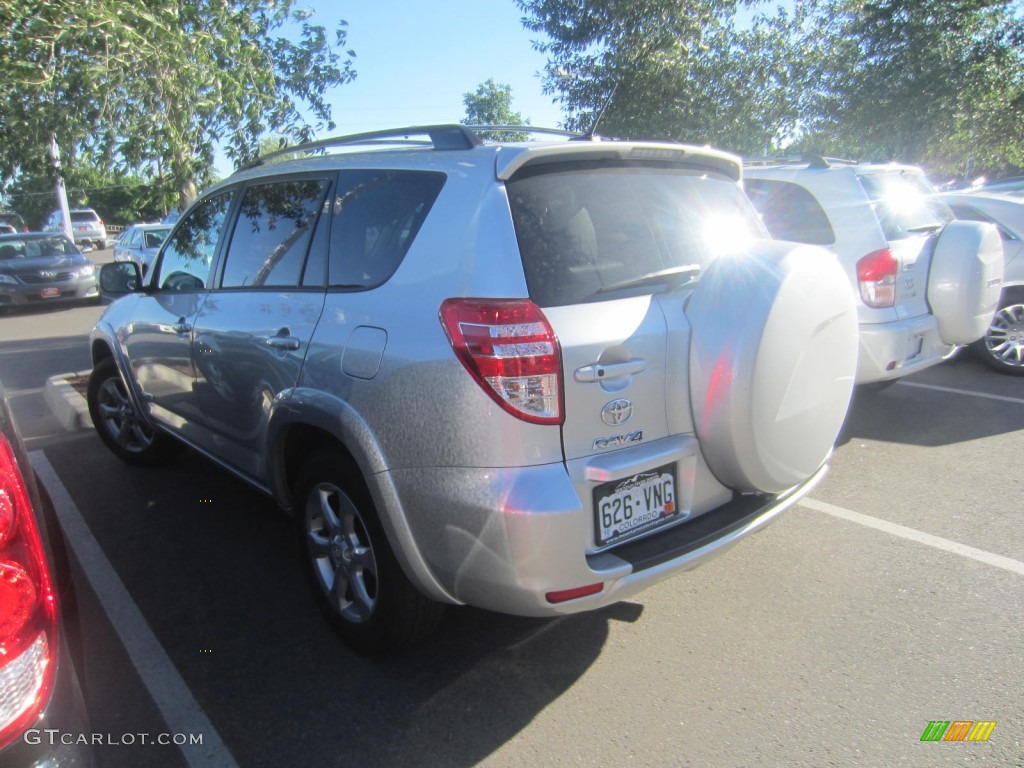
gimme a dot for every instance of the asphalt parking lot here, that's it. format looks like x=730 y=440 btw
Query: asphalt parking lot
x=891 y=599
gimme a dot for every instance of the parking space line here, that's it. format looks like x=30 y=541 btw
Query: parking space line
x=1006 y=563
x=967 y=392
x=181 y=712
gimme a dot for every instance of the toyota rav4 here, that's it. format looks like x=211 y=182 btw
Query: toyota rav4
x=925 y=284
x=535 y=377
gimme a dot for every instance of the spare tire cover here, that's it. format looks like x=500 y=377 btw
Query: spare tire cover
x=773 y=357
x=965 y=280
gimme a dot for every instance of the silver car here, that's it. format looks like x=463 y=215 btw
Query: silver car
x=1002 y=346
x=533 y=377
x=140 y=243
x=87 y=227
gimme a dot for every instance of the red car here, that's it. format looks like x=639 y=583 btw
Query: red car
x=42 y=710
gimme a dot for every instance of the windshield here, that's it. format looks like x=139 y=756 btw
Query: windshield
x=904 y=203
x=583 y=228
x=36 y=247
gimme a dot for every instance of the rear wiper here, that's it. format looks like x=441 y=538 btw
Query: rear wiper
x=671 y=278
x=925 y=228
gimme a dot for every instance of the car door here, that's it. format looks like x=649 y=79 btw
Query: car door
x=252 y=333
x=158 y=342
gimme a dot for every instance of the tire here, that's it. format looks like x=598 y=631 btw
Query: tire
x=358 y=582
x=116 y=421
x=1002 y=346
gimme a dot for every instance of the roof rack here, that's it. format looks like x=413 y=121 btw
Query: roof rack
x=813 y=160
x=440 y=137
x=524 y=129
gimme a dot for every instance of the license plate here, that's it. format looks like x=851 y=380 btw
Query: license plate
x=49 y=293
x=635 y=505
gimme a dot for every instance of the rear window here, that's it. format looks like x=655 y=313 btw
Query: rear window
x=790 y=212
x=583 y=229
x=905 y=204
x=81 y=216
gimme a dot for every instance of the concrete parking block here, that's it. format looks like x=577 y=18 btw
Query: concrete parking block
x=68 y=405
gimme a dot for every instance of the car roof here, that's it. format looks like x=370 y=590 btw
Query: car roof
x=33 y=236
x=822 y=163
x=444 y=147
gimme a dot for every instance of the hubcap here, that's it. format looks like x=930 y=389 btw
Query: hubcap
x=1005 y=337
x=342 y=553
x=120 y=419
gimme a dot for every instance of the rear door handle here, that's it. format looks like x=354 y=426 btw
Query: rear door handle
x=598 y=372
x=283 y=340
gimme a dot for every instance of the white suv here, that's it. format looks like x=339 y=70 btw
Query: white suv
x=533 y=377
x=924 y=283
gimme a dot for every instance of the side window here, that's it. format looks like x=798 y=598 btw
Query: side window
x=315 y=273
x=271 y=236
x=376 y=217
x=790 y=212
x=187 y=259
x=967 y=213
x=133 y=241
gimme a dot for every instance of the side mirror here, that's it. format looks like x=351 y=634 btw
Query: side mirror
x=120 y=278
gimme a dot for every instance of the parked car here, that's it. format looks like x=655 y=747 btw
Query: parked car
x=40 y=648
x=38 y=267
x=532 y=377
x=89 y=229
x=1013 y=186
x=7 y=229
x=12 y=219
x=1002 y=346
x=140 y=243
x=924 y=283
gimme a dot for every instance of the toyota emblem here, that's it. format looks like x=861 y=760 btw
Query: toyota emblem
x=616 y=412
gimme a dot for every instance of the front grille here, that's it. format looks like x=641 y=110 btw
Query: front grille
x=51 y=277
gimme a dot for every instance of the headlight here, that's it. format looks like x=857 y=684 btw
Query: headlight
x=86 y=271
x=7 y=280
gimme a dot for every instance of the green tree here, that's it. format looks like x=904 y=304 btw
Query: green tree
x=686 y=71
x=926 y=81
x=119 y=198
x=491 y=104
x=160 y=81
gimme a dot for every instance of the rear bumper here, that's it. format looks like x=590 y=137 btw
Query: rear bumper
x=504 y=539
x=895 y=349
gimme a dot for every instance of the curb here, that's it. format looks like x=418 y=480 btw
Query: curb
x=66 y=403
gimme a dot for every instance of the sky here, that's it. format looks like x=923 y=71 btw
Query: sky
x=415 y=59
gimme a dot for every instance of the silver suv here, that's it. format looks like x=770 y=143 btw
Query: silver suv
x=87 y=227
x=533 y=377
x=924 y=284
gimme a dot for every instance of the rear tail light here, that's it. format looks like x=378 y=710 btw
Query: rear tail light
x=28 y=607
x=511 y=351
x=876 y=276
